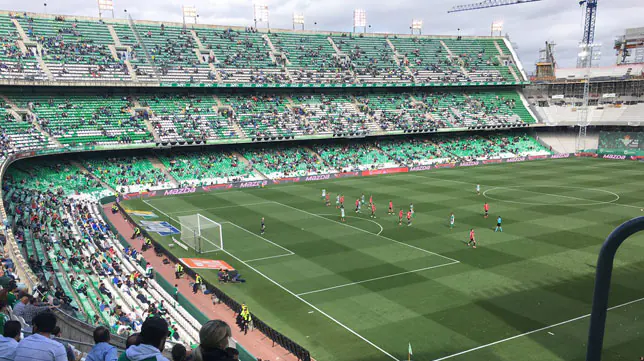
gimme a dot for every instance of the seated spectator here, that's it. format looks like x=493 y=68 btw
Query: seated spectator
x=69 y=349
x=179 y=352
x=223 y=276
x=133 y=340
x=9 y=340
x=40 y=346
x=19 y=308
x=102 y=350
x=213 y=341
x=232 y=353
x=153 y=336
x=103 y=289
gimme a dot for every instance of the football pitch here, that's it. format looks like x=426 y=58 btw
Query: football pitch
x=363 y=289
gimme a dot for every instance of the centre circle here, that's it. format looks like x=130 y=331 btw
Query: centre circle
x=489 y=193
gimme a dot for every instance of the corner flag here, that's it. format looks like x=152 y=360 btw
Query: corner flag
x=409 y=353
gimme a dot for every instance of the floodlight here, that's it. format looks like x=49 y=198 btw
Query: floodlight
x=104 y=5
x=298 y=20
x=359 y=19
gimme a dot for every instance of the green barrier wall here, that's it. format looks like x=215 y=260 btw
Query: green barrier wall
x=622 y=143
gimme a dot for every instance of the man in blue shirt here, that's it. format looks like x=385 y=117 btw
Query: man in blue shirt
x=40 y=346
x=498 y=225
x=102 y=350
x=9 y=340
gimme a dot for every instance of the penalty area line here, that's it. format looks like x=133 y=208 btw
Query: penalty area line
x=377 y=278
x=534 y=331
x=269 y=257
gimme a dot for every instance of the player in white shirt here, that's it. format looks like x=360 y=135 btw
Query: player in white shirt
x=323 y=193
x=478 y=189
x=342 y=213
x=337 y=201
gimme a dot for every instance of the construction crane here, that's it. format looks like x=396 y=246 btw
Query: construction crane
x=488 y=4
x=588 y=38
x=585 y=60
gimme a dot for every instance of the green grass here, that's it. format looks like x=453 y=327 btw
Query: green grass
x=448 y=298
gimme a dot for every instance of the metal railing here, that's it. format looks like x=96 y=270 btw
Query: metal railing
x=602 y=285
x=145 y=49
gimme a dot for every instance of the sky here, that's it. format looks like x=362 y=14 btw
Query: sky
x=528 y=25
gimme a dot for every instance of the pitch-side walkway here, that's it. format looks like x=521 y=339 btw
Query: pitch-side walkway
x=255 y=342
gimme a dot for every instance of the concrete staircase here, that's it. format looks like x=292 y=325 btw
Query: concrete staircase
x=247 y=164
x=115 y=36
x=219 y=103
x=148 y=124
x=21 y=31
x=451 y=57
x=514 y=73
x=84 y=170
x=17 y=112
x=112 y=48
x=195 y=37
x=158 y=164
x=335 y=47
x=318 y=157
x=217 y=75
x=238 y=130
x=44 y=68
x=131 y=70
x=498 y=48
x=21 y=45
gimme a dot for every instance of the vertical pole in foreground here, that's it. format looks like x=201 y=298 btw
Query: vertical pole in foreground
x=602 y=285
x=221 y=238
x=199 y=232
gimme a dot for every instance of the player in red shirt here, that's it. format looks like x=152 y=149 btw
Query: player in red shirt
x=391 y=208
x=472 y=239
x=342 y=200
x=358 y=205
x=370 y=199
x=486 y=208
x=408 y=218
x=328 y=201
x=373 y=210
x=400 y=217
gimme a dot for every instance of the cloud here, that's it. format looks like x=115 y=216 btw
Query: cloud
x=528 y=25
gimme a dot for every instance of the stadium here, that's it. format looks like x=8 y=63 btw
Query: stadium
x=327 y=194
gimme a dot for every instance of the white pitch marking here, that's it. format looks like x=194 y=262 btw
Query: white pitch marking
x=269 y=257
x=364 y=219
x=377 y=278
x=222 y=207
x=255 y=234
x=296 y=296
x=365 y=231
x=520 y=188
x=462 y=182
x=534 y=331
x=178 y=222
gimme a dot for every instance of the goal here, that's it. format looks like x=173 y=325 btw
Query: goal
x=201 y=233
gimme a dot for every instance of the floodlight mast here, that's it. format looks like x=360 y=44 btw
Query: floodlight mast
x=497 y=28
x=360 y=20
x=104 y=5
x=298 y=21
x=416 y=26
x=189 y=11
x=488 y=4
x=260 y=15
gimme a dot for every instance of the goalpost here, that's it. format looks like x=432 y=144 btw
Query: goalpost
x=201 y=233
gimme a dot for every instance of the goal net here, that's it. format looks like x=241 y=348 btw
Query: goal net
x=201 y=233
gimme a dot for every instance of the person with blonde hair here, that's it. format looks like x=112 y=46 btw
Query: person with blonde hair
x=213 y=341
